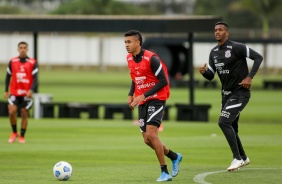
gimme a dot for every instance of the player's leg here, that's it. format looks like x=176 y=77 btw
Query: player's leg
x=26 y=105
x=235 y=126
x=12 y=108
x=229 y=113
x=151 y=138
x=150 y=117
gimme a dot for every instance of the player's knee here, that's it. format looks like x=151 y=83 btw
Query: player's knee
x=149 y=138
x=221 y=123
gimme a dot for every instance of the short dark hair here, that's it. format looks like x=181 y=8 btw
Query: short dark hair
x=22 y=42
x=134 y=33
x=223 y=23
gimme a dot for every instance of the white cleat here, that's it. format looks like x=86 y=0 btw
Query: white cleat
x=235 y=165
x=247 y=162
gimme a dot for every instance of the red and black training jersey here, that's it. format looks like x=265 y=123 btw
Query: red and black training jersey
x=146 y=80
x=22 y=71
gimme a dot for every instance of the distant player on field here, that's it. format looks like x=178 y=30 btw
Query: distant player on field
x=228 y=59
x=149 y=92
x=22 y=80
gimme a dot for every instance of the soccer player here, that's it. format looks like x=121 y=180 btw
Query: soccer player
x=22 y=80
x=149 y=92
x=228 y=59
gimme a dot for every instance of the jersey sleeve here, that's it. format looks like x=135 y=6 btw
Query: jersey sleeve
x=158 y=70
x=244 y=51
x=210 y=72
x=8 y=77
x=131 y=90
x=35 y=78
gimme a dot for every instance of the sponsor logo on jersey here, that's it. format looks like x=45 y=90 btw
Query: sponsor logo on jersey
x=228 y=54
x=223 y=72
x=229 y=46
x=140 y=78
x=225 y=114
x=21 y=91
x=219 y=67
x=215 y=49
x=140 y=83
x=219 y=64
x=21 y=78
x=147 y=85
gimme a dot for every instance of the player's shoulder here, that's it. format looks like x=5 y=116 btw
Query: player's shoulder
x=15 y=59
x=32 y=60
x=237 y=45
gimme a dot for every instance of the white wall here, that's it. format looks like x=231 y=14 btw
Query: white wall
x=54 y=49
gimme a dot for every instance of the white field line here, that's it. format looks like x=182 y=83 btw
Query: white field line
x=200 y=178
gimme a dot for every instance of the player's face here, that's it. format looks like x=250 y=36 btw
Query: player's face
x=220 y=33
x=22 y=48
x=132 y=44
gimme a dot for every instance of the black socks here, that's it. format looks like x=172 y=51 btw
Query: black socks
x=172 y=155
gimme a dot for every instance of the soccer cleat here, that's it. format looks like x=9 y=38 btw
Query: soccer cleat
x=235 y=165
x=246 y=162
x=175 y=165
x=13 y=137
x=164 y=177
x=21 y=139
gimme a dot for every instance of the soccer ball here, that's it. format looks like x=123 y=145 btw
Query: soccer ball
x=62 y=170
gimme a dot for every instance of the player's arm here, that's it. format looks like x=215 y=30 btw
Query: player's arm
x=7 y=80
x=158 y=70
x=35 y=77
x=130 y=95
x=208 y=71
x=244 y=51
x=34 y=81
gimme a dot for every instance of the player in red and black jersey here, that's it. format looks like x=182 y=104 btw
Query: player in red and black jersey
x=228 y=59
x=21 y=81
x=149 y=91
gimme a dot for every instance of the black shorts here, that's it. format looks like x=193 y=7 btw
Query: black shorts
x=150 y=113
x=20 y=101
x=233 y=104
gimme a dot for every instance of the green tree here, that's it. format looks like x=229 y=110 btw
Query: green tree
x=100 y=7
x=243 y=13
x=264 y=9
x=9 y=10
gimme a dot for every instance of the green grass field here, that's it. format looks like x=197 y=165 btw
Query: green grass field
x=112 y=151
x=103 y=151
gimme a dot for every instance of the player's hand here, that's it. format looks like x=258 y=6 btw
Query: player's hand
x=247 y=82
x=6 y=95
x=129 y=101
x=137 y=100
x=203 y=69
x=29 y=94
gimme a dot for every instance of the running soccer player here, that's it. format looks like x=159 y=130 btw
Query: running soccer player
x=22 y=71
x=149 y=92
x=228 y=59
